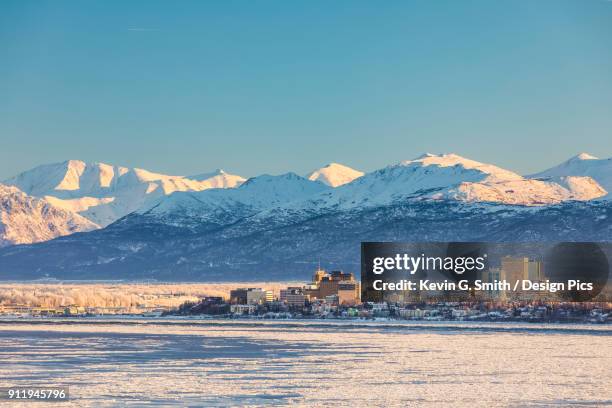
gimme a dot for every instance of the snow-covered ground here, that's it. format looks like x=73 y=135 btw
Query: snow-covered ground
x=290 y=363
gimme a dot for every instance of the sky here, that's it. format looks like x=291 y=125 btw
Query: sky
x=274 y=86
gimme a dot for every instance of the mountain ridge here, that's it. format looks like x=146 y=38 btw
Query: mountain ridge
x=254 y=249
x=218 y=199
x=25 y=219
x=103 y=193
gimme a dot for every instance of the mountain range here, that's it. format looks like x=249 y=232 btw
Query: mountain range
x=103 y=193
x=116 y=222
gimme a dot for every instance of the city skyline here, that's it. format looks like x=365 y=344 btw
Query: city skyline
x=269 y=87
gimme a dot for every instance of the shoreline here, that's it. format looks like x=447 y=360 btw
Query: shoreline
x=349 y=324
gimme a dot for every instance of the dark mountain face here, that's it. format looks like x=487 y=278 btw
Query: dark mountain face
x=283 y=246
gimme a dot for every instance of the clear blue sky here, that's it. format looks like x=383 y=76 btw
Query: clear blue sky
x=272 y=86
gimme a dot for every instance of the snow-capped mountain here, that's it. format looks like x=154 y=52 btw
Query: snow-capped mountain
x=272 y=226
x=227 y=205
x=104 y=193
x=334 y=174
x=25 y=219
x=581 y=166
x=450 y=176
x=218 y=179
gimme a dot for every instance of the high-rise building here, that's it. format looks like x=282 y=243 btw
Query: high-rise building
x=521 y=269
x=318 y=275
x=515 y=269
x=535 y=271
x=337 y=283
x=490 y=276
x=242 y=309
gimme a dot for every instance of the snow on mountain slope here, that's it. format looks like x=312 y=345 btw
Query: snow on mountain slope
x=526 y=192
x=450 y=176
x=215 y=205
x=219 y=179
x=410 y=178
x=334 y=174
x=580 y=166
x=25 y=219
x=104 y=193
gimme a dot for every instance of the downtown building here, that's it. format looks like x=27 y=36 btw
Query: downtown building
x=336 y=287
x=294 y=297
x=251 y=296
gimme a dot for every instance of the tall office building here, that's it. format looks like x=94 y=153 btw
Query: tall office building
x=337 y=283
x=515 y=268
x=521 y=269
x=490 y=276
x=536 y=271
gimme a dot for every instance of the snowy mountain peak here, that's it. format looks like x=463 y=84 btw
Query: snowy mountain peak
x=583 y=156
x=104 y=193
x=256 y=194
x=454 y=160
x=25 y=219
x=453 y=177
x=218 y=178
x=334 y=174
x=75 y=165
x=581 y=167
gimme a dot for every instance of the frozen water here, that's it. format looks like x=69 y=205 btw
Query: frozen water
x=189 y=362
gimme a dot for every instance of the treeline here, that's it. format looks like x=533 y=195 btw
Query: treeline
x=117 y=295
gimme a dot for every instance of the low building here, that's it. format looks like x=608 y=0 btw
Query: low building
x=243 y=309
x=293 y=297
x=74 y=310
x=379 y=309
x=320 y=307
x=250 y=296
x=411 y=313
x=348 y=293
